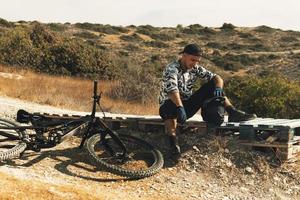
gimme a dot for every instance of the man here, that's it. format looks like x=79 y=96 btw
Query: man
x=178 y=103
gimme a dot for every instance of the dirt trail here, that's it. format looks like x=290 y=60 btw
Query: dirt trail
x=210 y=168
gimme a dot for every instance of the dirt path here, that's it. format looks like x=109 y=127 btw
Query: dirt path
x=210 y=168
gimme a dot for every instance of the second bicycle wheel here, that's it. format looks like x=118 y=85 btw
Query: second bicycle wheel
x=143 y=159
x=10 y=143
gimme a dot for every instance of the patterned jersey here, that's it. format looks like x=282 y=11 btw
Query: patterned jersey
x=175 y=79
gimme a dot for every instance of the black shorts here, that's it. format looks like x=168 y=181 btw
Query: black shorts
x=168 y=110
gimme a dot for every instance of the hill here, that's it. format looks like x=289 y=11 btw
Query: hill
x=228 y=49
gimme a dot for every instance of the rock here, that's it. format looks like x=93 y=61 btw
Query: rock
x=196 y=148
x=249 y=170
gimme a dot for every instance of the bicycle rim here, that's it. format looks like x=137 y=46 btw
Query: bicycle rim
x=143 y=160
x=10 y=143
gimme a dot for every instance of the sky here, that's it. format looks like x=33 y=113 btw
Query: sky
x=283 y=14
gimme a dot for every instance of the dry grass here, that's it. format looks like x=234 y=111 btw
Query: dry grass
x=64 y=92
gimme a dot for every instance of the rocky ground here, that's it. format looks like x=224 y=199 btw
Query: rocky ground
x=211 y=167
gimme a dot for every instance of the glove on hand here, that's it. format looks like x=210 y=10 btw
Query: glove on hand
x=181 y=115
x=219 y=92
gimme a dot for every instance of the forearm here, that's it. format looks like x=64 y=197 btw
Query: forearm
x=218 y=81
x=175 y=98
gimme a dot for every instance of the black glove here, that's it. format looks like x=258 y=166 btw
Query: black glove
x=181 y=115
x=219 y=92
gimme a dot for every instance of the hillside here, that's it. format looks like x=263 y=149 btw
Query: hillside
x=228 y=49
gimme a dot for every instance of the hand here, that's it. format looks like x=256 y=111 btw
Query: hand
x=219 y=92
x=181 y=115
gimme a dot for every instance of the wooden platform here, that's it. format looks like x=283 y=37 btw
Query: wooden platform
x=283 y=135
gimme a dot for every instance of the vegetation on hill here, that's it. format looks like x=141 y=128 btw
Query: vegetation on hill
x=135 y=56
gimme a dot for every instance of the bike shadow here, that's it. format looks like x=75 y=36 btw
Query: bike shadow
x=70 y=161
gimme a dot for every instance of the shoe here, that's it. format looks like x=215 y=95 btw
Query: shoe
x=238 y=116
x=174 y=145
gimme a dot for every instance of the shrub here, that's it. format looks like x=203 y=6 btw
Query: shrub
x=271 y=95
x=228 y=27
x=77 y=58
x=264 y=29
x=131 y=38
x=6 y=23
x=143 y=88
x=86 y=35
x=102 y=28
x=17 y=48
x=146 y=29
x=57 y=27
x=288 y=39
x=41 y=36
x=156 y=43
x=162 y=36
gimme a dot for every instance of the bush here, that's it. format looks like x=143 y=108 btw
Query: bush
x=288 y=39
x=131 y=38
x=233 y=62
x=162 y=36
x=143 y=88
x=102 y=28
x=271 y=95
x=57 y=27
x=146 y=29
x=41 y=36
x=228 y=27
x=158 y=44
x=17 y=48
x=74 y=57
x=6 y=23
x=86 y=35
x=264 y=29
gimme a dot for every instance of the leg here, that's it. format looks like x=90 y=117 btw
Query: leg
x=236 y=115
x=170 y=128
x=168 y=113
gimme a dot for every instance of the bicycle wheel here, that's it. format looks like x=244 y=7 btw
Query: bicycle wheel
x=143 y=159
x=10 y=143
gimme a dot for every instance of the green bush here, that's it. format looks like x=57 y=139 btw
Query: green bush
x=57 y=27
x=233 y=62
x=156 y=43
x=131 y=38
x=271 y=95
x=17 y=48
x=288 y=39
x=162 y=36
x=143 y=88
x=264 y=29
x=86 y=35
x=228 y=27
x=146 y=29
x=6 y=23
x=102 y=28
x=74 y=57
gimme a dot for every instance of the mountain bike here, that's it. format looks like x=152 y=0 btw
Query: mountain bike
x=119 y=153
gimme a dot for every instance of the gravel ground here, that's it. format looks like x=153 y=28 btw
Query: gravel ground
x=211 y=167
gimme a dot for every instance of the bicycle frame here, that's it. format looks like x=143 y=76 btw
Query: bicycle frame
x=43 y=124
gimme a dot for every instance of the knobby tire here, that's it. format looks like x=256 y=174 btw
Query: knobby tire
x=10 y=143
x=96 y=149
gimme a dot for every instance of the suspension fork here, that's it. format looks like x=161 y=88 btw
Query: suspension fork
x=107 y=131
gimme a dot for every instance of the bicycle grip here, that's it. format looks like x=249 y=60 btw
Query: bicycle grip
x=95 y=87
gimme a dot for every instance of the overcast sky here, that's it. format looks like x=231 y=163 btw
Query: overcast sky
x=284 y=14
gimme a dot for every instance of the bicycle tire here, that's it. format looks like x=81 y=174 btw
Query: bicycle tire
x=96 y=149
x=10 y=141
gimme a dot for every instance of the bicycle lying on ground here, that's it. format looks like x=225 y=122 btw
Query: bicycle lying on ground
x=118 y=153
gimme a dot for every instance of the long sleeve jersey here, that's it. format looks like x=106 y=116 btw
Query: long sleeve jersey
x=176 y=79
